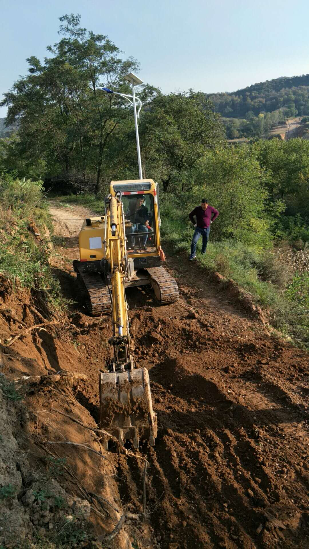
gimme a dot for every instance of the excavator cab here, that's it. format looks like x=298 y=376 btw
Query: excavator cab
x=141 y=216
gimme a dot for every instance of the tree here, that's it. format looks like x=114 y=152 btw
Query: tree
x=233 y=181
x=64 y=119
x=232 y=127
x=175 y=132
x=287 y=163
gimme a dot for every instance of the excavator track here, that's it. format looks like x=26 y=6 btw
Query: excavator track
x=164 y=285
x=98 y=295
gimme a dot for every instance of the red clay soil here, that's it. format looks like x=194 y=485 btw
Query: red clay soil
x=230 y=466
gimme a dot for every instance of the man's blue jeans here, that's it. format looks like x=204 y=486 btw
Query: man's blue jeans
x=197 y=234
x=139 y=228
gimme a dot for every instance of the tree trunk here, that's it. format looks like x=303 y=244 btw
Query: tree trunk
x=166 y=183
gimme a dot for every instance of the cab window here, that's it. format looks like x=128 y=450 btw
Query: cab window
x=139 y=221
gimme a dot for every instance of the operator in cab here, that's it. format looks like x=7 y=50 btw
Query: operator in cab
x=139 y=212
x=139 y=217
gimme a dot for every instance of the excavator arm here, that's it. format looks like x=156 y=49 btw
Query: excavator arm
x=125 y=399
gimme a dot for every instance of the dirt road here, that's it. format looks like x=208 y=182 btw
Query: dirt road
x=292 y=128
x=230 y=466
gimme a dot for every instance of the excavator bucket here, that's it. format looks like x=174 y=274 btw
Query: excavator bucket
x=126 y=407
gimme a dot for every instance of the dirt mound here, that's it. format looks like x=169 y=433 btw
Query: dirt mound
x=230 y=466
x=56 y=482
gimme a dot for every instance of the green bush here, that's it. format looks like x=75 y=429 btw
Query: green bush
x=21 y=196
x=287 y=166
x=7 y=491
x=294 y=229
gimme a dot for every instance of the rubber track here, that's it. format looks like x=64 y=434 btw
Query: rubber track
x=98 y=293
x=167 y=284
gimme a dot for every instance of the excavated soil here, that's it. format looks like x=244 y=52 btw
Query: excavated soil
x=230 y=465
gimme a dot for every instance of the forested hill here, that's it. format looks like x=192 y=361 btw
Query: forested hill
x=288 y=93
x=252 y=111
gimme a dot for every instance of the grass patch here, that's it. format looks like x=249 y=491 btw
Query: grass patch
x=56 y=466
x=298 y=290
x=67 y=533
x=9 y=390
x=94 y=203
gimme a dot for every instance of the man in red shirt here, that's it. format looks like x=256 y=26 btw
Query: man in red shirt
x=204 y=215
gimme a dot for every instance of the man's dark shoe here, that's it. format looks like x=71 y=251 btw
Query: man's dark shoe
x=192 y=258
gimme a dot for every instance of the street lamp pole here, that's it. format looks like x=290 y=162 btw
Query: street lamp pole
x=134 y=81
x=137 y=135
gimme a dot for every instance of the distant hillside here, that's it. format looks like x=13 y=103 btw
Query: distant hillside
x=291 y=94
x=254 y=110
x=5 y=131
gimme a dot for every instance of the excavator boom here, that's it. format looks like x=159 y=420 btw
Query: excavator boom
x=126 y=409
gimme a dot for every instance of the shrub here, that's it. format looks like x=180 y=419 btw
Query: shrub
x=9 y=389
x=295 y=230
x=7 y=491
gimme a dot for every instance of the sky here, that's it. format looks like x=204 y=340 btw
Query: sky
x=206 y=45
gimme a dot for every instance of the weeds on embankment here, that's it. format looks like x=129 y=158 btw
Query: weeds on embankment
x=25 y=228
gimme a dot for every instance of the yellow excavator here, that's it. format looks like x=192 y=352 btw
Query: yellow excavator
x=117 y=250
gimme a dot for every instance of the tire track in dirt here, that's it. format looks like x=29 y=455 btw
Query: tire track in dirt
x=230 y=466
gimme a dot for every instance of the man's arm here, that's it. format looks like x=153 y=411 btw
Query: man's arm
x=215 y=214
x=191 y=216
